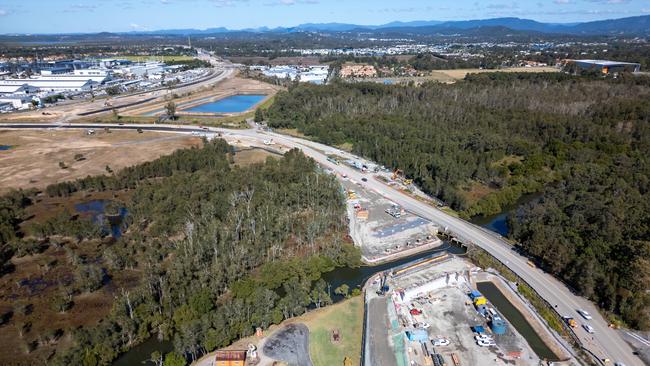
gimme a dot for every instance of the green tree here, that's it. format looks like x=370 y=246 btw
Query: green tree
x=259 y=115
x=174 y=359
x=170 y=108
x=342 y=290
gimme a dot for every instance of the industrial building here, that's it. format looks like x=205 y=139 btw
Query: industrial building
x=53 y=84
x=17 y=88
x=603 y=66
x=316 y=74
x=16 y=101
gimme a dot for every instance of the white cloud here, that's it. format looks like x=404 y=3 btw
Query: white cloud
x=562 y=2
x=3 y=12
x=138 y=27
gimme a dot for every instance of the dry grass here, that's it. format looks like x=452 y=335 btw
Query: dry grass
x=33 y=162
x=451 y=76
x=507 y=160
x=474 y=191
x=461 y=73
x=252 y=156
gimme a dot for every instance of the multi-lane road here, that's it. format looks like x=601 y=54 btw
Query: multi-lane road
x=605 y=343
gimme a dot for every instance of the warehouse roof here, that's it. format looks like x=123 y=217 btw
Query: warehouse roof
x=606 y=62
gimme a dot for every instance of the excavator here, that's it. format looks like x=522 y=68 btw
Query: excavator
x=399 y=173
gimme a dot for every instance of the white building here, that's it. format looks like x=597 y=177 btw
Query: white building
x=16 y=88
x=18 y=101
x=54 y=83
x=140 y=70
x=97 y=75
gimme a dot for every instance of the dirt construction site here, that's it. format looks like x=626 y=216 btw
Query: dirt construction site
x=383 y=230
x=36 y=158
x=424 y=315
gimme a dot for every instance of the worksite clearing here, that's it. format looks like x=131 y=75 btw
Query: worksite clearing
x=383 y=230
x=429 y=313
x=35 y=157
x=285 y=344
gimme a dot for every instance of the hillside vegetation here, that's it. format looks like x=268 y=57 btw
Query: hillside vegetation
x=481 y=143
x=212 y=251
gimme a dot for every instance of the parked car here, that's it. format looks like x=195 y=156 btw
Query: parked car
x=486 y=343
x=483 y=337
x=440 y=342
x=584 y=314
x=588 y=328
x=424 y=325
x=364 y=179
x=415 y=311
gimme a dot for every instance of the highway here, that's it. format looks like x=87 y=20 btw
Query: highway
x=605 y=343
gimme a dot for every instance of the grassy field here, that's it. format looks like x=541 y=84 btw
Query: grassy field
x=34 y=161
x=347 y=317
x=156 y=58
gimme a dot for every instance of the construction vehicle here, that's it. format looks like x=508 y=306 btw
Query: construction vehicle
x=397 y=173
x=570 y=321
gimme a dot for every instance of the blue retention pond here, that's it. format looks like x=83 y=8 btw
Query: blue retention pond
x=232 y=104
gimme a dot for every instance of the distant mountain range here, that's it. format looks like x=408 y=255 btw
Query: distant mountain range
x=639 y=25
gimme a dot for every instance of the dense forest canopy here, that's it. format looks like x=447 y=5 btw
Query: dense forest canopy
x=217 y=249
x=481 y=143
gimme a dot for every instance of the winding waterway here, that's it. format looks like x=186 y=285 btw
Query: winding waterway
x=499 y=222
x=355 y=277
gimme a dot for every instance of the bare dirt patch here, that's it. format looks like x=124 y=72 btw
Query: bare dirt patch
x=33 y=161
x=251 y=156
x=461 y=73
x=474 y=191
x=298 y=60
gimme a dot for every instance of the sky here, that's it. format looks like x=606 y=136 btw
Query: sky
x=73 y=16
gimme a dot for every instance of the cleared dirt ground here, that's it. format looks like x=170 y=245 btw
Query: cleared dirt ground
x=451 y=76
x=33 y=160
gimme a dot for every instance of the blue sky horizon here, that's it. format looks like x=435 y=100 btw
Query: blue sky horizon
x=90 y=16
